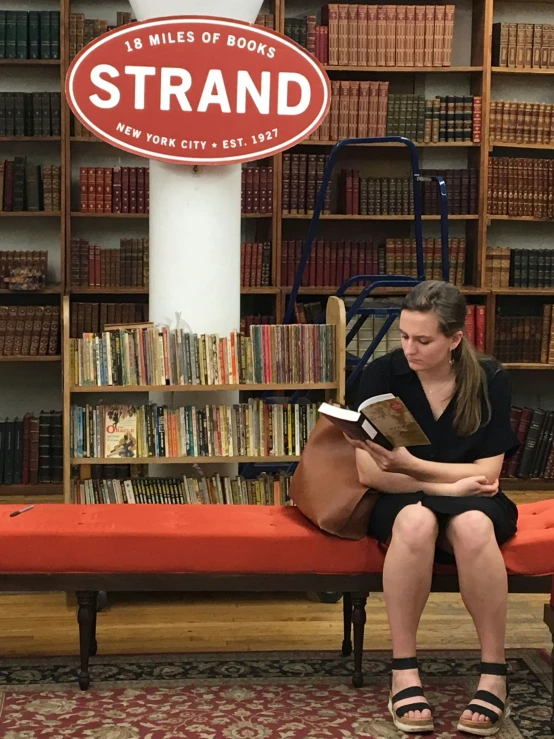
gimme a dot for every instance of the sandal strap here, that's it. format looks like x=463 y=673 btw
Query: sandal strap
x=413 y=692
x=491 y=715
x=494 y=668
x=494 y=700
x=403 y=710
x=405 y=663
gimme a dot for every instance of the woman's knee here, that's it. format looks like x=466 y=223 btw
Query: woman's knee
x=471 y=530
x=416 y=526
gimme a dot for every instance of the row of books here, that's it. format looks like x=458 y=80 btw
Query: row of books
x=114 y=189
x=534 y=427
x=157 y=355
x=311 y=311
x=252 y=429
x=265 y=489
x=361 y=109
x=29 y=187
x=83 y=30
x=358 y=109
x=257 y=189
x=523 y=45
x=31 y=449
x=255 y=264
x=521 y=123
x=522 y=338
x=266 y=20
x=443 y=118
x=255 y=320
x=521 y=187
x=506 y=267
x=93 y=317
x=374 y=195
x=29 y=330
x=30 y=114
x=475 y=328
x=30 y=34
x=394 y=196
x=387 y=35
x=333 y=262
x=302 y=178
x=12 y=260
x=462 y=186
x=93 y=266
x=374 y=323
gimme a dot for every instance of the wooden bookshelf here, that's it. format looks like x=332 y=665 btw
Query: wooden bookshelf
x=525 y=71
x=183 y=460
x=41 y=489
x=30 y=214
x=474 y=71
x=406 y=70
x=336 y=315
x=30 y=62
x=419 y=144
x=252 y=387
x=342 y=217
x=21 y=359
x=33 y=139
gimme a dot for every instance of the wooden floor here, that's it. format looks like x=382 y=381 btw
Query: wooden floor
x=45 y=624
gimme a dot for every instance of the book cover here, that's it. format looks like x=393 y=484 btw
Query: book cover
x=384 y=419
x=120 y=432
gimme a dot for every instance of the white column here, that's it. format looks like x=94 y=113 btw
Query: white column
x=194 y=229
x=195 y=219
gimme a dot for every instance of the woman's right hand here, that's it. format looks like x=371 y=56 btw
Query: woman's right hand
x=476 y=485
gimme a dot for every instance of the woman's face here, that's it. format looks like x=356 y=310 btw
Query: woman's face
x=425 y=346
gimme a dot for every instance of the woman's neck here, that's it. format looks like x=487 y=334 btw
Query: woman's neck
x=438 y=374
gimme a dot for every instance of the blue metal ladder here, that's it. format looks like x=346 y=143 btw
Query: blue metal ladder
x=375 y=281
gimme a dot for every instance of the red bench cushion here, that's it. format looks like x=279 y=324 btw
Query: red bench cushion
x=226 y=539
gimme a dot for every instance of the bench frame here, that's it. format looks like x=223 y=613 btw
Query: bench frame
x=356 y=590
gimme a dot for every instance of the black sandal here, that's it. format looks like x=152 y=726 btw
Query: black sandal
x=494 y=721
x=409 y=725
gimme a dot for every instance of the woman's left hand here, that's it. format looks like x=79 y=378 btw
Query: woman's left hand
x=397 y=460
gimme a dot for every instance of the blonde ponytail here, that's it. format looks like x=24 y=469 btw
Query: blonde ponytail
x=471 y=383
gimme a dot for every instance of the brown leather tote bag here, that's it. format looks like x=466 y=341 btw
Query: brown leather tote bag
x=325 y=486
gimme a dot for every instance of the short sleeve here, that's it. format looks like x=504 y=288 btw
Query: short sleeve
x=499 y=437
x=375 y=379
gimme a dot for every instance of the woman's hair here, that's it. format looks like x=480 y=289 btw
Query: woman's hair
x=449 y=306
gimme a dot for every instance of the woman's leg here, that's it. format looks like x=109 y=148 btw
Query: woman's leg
x=406 y=584
x=484 y=588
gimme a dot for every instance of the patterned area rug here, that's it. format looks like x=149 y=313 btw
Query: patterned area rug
x=292 y=695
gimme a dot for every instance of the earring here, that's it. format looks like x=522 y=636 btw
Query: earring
x=451 y=357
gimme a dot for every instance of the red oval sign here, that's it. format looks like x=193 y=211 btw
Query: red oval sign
x=197 y=90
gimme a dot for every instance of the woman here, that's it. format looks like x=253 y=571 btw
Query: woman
x=441 y=502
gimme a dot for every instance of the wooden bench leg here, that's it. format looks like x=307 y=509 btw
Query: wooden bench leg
x=87 y=633
x=358 y=619
x=549 y=621
x=347 y=616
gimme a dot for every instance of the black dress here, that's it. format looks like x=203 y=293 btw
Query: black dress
x=391 y=373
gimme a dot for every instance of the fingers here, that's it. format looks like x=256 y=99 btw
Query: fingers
x=489 y=489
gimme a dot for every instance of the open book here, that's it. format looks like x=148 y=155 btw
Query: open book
x=384 y=419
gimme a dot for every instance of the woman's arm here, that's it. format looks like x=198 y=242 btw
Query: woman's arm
x=402 y=461
x=390 y=482
x=423 y=470
x=371 y=475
